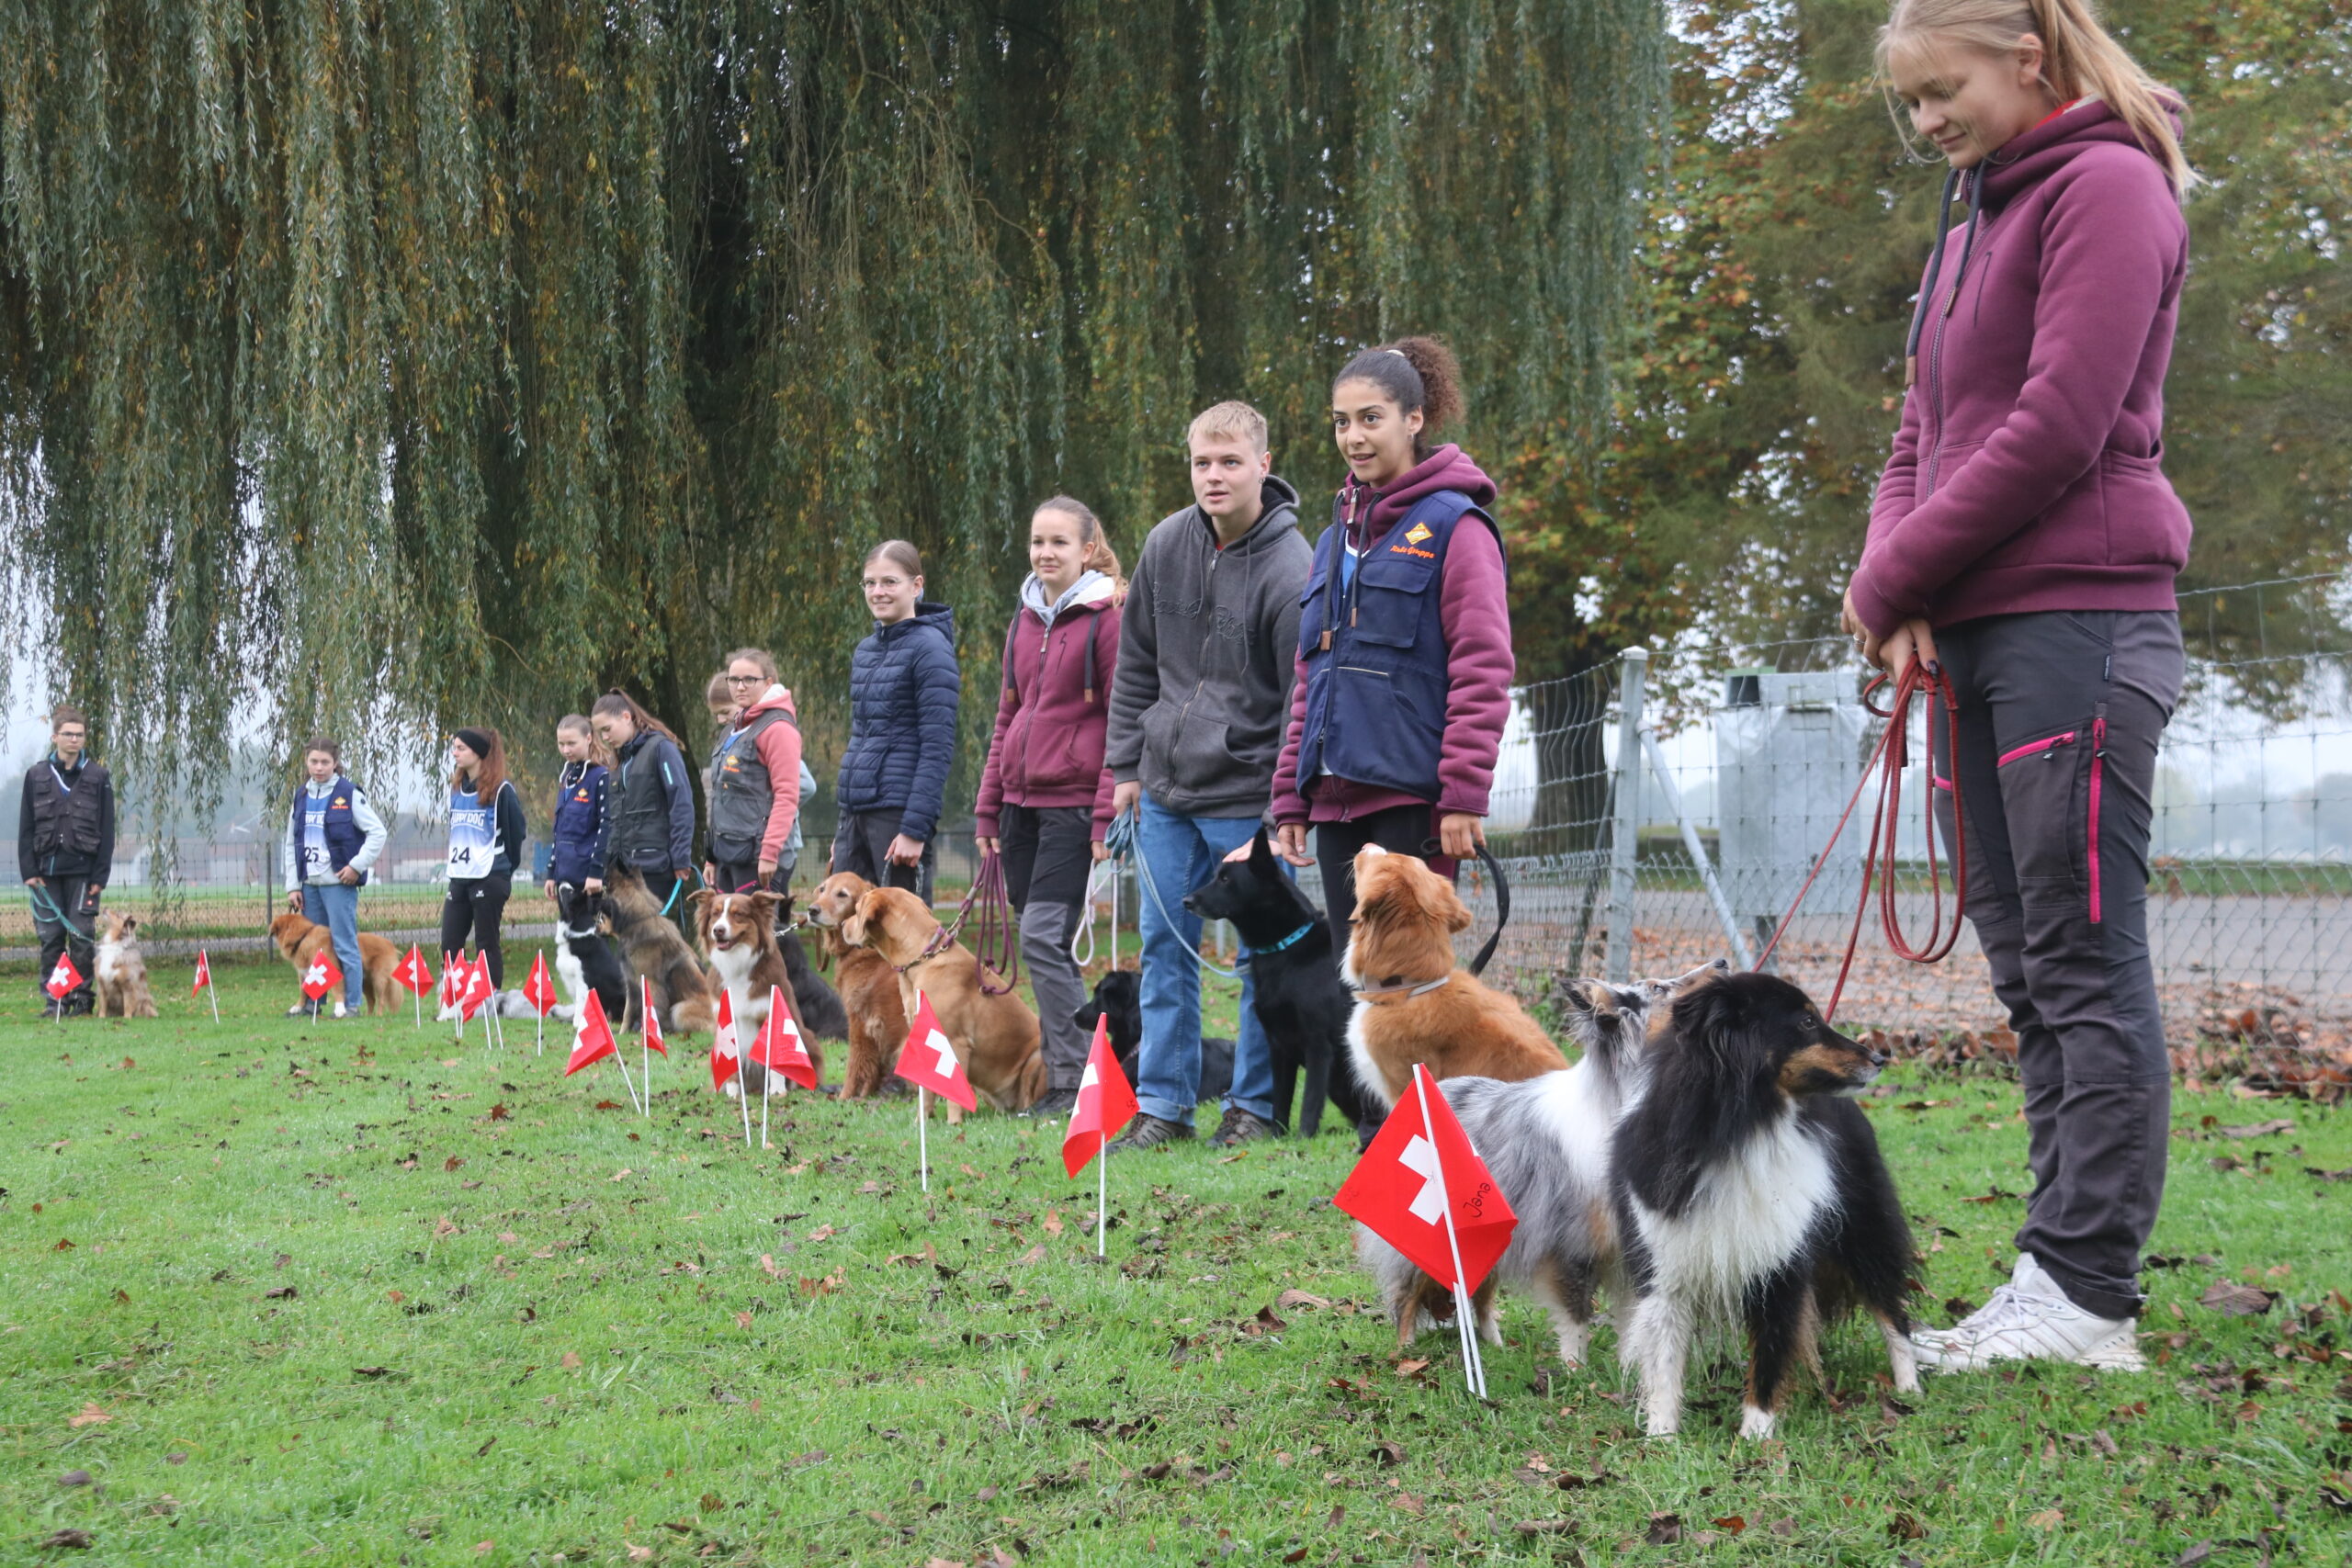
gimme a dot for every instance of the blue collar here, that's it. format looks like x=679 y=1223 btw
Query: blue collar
x=1289 y=939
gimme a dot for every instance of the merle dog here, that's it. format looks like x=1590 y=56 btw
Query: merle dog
x=1301 y=999
x=1117 y=1002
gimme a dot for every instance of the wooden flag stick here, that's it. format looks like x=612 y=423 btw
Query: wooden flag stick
x=1474 y=1370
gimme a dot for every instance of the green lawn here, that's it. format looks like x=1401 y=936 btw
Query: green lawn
x=346 y=1290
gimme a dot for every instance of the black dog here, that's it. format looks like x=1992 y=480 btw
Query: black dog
x=1118 y=1000
x=819 y=1005
x=581 y=947
x=1301 y=1001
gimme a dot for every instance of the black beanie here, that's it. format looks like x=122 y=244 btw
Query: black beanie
x=475 y=740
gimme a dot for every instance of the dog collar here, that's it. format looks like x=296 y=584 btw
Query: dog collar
x=1408 y=989
x=1288 y=941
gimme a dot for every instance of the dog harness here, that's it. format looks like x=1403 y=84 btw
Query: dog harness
x=1405 y=989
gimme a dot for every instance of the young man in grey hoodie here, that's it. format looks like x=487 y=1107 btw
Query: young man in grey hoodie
x=1206 y=653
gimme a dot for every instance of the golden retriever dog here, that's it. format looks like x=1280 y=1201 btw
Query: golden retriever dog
x=868 y=988
x=1414 y=1001
x=121 y=978
x=996 y=1036
x=299 y=940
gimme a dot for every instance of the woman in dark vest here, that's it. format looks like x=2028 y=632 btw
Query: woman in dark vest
x=652 y=800
x=65 y=849
x=904 y=689
x=332 y=836
x=754 y=780
x=486 y=833
x=1404 y=636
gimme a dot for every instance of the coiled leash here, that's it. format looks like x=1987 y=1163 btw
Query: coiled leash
x=1120 y=839
x=1928 y=682
x=1100 y=871
x=993 y=947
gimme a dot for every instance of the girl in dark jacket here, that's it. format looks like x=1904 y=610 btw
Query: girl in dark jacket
x=2023 y=543
x=1046 y=794
x=486 y=833
x=904 y=689
x=582 y=831
x=1404 y=636
x=652 y=804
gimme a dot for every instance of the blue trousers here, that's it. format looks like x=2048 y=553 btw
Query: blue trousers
x=336 y=907
x=1180 y=853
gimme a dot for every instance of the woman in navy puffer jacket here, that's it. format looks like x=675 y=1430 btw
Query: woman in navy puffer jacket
x=904 y=689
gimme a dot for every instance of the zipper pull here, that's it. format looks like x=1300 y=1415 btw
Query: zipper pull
x=1324 y=647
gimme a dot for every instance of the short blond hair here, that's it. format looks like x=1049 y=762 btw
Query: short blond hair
x=1236 y=420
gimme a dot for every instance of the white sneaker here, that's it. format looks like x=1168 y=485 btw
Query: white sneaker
x=2030 y=1319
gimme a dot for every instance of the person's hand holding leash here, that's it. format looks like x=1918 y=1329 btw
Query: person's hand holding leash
x=1913 y=640
x=1461 y=834
x=905 y=851
x=1126 y=797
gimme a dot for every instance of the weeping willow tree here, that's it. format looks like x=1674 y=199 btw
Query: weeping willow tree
x=382 y=365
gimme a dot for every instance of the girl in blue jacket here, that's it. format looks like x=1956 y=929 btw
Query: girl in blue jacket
x=581 y=835
x=904 y=689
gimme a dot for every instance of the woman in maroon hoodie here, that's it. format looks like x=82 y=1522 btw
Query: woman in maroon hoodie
x=2025 y=540
x=1404 y=636
x=1044 y=796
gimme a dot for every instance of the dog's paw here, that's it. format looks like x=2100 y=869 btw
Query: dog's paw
x=1754 y=1424
x=731 y=1089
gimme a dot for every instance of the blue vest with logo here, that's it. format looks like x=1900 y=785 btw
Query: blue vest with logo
x=343 y=835
x=578 y=852
x=1376 y=685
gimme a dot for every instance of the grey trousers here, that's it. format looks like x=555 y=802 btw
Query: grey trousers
x=1048 y=850
x=2059 y=714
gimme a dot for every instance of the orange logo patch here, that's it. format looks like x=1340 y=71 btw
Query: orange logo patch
x=1417 y=533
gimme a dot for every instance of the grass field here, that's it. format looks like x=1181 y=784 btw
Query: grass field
x=293 y=1292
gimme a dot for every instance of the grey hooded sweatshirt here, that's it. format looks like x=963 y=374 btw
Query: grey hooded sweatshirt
x=1206 y=653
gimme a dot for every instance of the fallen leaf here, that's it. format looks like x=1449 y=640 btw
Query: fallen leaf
x=371 y=1371
x=1665 y=1529
x=639 y=1553
x=2233 y=1299
x=483 y=1549
x=1991 y=1195
x=444 y=1225
x=74 y=1478
x=1291 y=1300
x=280 y=1293
x=621 y=1175
x=1412 y=1368
x=1904 y=1526
x=570 y=1359
x=452 y=1163
x=1544 y=1527
x=742 y=1320
x=1388 y=1453
x=2256 y=1130
x=78 y=1539
x=1265 y=1323
x=500 y=1114
x=822 y=1232
x=91 y=1415
x=1035 y=1255
x=767 y=1267
x=1733 y=1525
x=2047 y=1519
x=2193 y=1555
x=65 y=1243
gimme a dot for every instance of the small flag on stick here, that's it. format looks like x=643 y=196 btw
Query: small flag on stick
x=203 y=982
x=417 y=976
x=648 y=1037
x=727 y=1059
x=62 y=980
x=479 y=990
x=592 y=1042
x=1423 y=1189
x=779 y=1049
x=539 y=991
x=927 y=1061
x=322 y=975
x=1107 y=1102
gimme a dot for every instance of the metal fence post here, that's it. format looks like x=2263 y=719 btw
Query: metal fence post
x=1625 y=835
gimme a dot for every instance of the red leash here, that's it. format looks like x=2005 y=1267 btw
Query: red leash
x=1928 y=683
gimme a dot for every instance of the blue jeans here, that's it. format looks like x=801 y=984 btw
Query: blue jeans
x=336 y=907
x=1180 y=853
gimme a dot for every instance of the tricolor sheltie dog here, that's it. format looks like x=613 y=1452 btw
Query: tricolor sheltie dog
x=1546 y=1141
x=1749 y=1192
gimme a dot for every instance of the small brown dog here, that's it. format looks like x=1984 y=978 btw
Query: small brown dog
x=299 y=942
x=738 y=933
x=997 y=1036
x=868 y=988
x=1414 y=1001
x=121 y=978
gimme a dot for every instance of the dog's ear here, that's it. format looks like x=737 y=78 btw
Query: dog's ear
x=1440 y=901
x=765 y=902
x=130 y=924
x=698 y=895
x=1261 y=853
x=1577 y=994
x=1713 y=1020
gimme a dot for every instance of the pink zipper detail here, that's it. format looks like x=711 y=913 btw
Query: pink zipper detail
x=2032 y=748
x=2098 y=766
x=1944 y=785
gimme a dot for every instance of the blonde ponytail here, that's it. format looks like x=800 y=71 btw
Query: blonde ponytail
x=2080 y=60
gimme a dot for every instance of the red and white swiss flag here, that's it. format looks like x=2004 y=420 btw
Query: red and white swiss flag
x=928 y=1059
x=203 y=973
x=592 y=1038
x=321 y=977
x=726 y=1054
x=1420 y=1166
x=649 y=1022
x=538 y=990
x=413 y=972
x=779 y=1045
x=478 y=986
x=1107 y=1102
x=453 y=978
x=64 y=978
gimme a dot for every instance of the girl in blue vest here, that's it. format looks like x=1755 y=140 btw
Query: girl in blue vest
x=332 y=836
x=582 y=830
x=904 y=690
x=1404 y=636
x=486 y=834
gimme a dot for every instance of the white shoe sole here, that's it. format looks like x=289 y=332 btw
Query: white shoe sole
x=2118 y=1352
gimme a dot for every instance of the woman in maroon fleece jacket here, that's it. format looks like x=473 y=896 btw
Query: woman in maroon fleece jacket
x=1046 y=794
x=1404 y=669
x=2025 y=540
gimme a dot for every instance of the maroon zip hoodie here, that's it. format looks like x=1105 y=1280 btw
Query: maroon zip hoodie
x=1474 y=613
x=1047 y=747
x=2026 y=473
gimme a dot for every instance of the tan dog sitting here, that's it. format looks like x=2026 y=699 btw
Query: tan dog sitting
x=1414 y=1000
x=867 y=985
x=996 y=1036
x=121 y=978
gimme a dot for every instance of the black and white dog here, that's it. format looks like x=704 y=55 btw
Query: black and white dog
x=1748 y=1193
x=1117 y=1004
x=1302 y=1003
x=1546 y=1140
x=585 y=960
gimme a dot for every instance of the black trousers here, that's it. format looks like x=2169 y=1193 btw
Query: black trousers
x=473 y=908
x=2059 y=714
x=1399 y=830
x=71 y=934
x=1047 y=852
x=862 y=844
